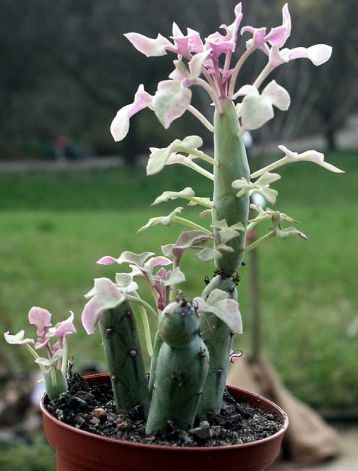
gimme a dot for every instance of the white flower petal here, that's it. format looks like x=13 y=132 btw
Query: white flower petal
x=319 y=53
x=187 y=193
x=148 y=46
x=17 y=339
x=171 y=101
x=255 y=111
x=196 y=64
x=278 y=95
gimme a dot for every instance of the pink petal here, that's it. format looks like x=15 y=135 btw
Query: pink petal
x=277 y=36
x=162 y=274
x=91 y=313
x=222 y=44
x=278 y=57
x=195 y=41
x=233 y=29
x=258 y=34
x=286 y=19
x=41 y=343
x=148 y=46
x=107 y=260
x=106 y=295
x=41 y=318
x=157 y=262
x=185 y=45
x=64 y=328
x=120 y=124
x=317 y=54
x=142 y=100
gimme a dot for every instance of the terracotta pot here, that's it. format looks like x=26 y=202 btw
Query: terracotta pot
x=77 y=450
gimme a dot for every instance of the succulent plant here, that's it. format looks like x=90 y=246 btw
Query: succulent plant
x=193 y=340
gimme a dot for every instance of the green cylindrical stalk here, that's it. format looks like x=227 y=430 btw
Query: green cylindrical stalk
x=55 y=383
x=230 y=164
x=218 y=339
x=153 y=364
x=123 y=356
x=181 y=369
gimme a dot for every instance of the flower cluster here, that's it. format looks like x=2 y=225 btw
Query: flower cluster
x=52 y=340
x=210 y=64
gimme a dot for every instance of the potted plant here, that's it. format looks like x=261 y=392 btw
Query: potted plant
x=162 y=414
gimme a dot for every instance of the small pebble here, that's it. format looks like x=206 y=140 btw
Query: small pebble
x=100 y=413
x=123 y=425
x=203 y=431
x=95 y=421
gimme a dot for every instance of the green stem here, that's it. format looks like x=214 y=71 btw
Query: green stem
x=35 y=356
x=201 y=155
x=64 y=356
x=237 y=69
x=270 y=167
x=201 y=118
x=263 y=75
x=230 y=156
x=258 y=242
x=124 y=357
x=191 y=224
x=147 y=306
x=145 y=323
x=209 y=90
x=199 y=169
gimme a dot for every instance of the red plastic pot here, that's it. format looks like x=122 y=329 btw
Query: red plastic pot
x=77 y=450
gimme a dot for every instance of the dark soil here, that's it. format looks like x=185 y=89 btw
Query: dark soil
x=91 y=408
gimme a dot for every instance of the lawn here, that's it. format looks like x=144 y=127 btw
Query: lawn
x=54 y=226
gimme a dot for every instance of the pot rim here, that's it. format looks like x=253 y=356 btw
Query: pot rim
x=144 y=446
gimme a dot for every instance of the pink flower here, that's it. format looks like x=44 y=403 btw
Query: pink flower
x=161 y=289
x=64 y=328
x=185 y=45
x=41 y=318
x=120 y=124
x=104 y=295
x=277 y=36
x=224 y=43
x=162 y=282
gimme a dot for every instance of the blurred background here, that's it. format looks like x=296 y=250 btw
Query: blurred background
x=69 y=194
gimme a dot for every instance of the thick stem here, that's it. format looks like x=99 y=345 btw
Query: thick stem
x=180 y=370
x=217 y=337
x=231 y=164
x=124 y=358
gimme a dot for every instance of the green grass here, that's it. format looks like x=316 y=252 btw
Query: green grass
x=54 y=226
